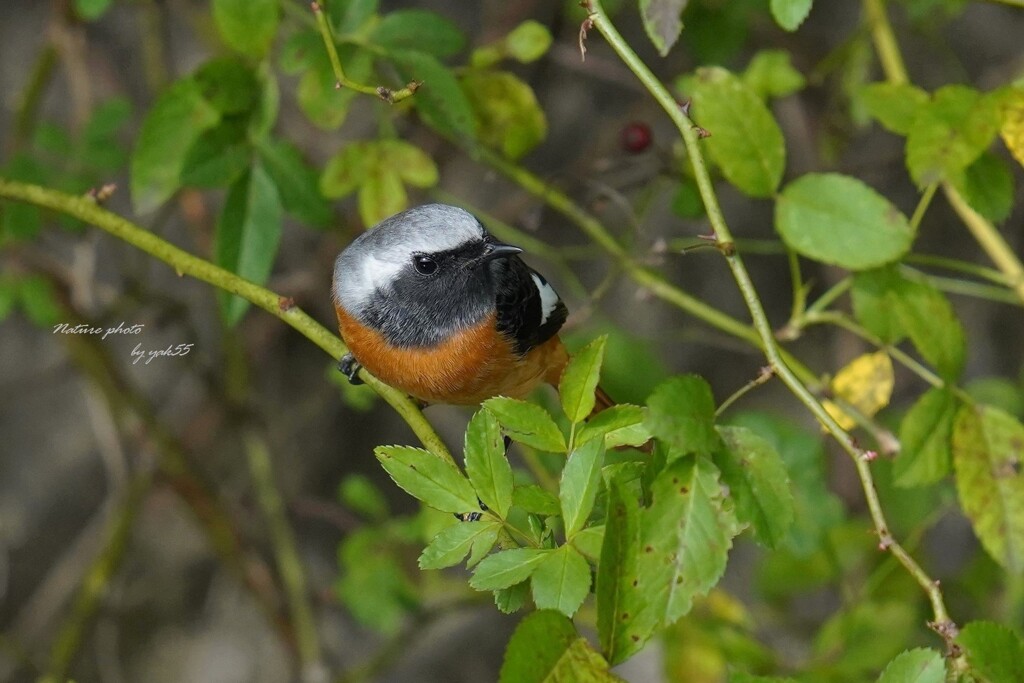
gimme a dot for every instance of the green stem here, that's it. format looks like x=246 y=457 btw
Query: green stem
x=185 y=263
x=286 y=553
x=386 y=94
x=761 y=324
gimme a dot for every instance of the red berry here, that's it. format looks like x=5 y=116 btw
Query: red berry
x=635 y=137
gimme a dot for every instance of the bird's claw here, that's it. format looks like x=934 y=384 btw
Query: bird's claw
x=350 y=367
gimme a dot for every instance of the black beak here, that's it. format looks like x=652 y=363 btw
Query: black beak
x=493 y=250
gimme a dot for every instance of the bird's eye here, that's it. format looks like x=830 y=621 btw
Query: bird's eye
x=425 y=265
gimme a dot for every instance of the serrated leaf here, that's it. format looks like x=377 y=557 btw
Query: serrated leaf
x=509 y=117
x=988 y=186
x=993 y=651
x=486 y=464
x=296 y=182
x=247 y=25
x=758 y=482
x=1011 y=127
x=439 y=100
x=745 y=141
x=620 y=425
x=894 y=105
x=588 y=541
x=619 y=596
x=248 y=235
x=428 y=478
x=414 y=166
x=686 y=535
x=452 y=545
x=506 y=568
x=950 y=132
x=579 y=380
x=865 y=383
x=545 y=648
x=925 y=435
x=562 y=581
x=770 y=73
x=581 y=479
x=172 y=125
x=839 y=220
x=663 y=21
x=512 y=599
x=528 y=41
x=527 y=423
x=988 y=452
x=893 y=305
x=535 y=499
x=789 y=14
x=915 y=666
x=681 y=412
x=418 y=29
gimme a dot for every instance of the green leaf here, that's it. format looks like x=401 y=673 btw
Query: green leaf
x=528 y=41
x=950 y=133
x=545 y=648
x=381 y=195
x=418 y=29
x=993 y=651
x=839 y=220
x=925 y=434
x=440 y=100
x=248 y=234
x=506 y=568
x=486 y=464
x=588 y=541
x=535 y=499
x=450 y=546
x=789 y=14
x=9 y=290
x=428 y=478
x=579 y=380
x=348 y=16
x=745 y=141
x=296 y=182
x=247 y=25
x=358 y=493
x=663 y=21
x=988 y=449
x=346 y=170
x=323 y=103
x=999 y=392
x=758 y=482
x=90 y=10
x=915 y=666
x=771 y=74
x=373 y=585
x=581 y=479
x=527 y=423
x=681 y=412
x=892 y=305
x=687 y=532
x=988 y=186
x=512 y=599
x=741 y=677
x=228 y=85
x=219 y=157
x=100 y=137
x=39 y=301
x=508 y=115
x=172 y=125
x=414 y=166
x=854 y=643
x=562 y=581
x=620 y=425
x=619 y=596
x=895 y=105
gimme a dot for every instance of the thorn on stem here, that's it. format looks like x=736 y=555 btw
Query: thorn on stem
x=315 y=6
x=337 y=85
x=102 y=193
x=684 y=107
x=386 y=94
x=701 y=132
x=587 y=24
x=869 y=456
x=285 y=303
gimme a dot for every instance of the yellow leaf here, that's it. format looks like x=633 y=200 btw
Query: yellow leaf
x=865 y=385
x=1012 y=130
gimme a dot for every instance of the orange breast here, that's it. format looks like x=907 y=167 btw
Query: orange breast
x=469 y=367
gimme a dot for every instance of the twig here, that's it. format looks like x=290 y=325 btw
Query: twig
x=27 y=112
x=766 y=374
x=187 y=264
x=761 y=324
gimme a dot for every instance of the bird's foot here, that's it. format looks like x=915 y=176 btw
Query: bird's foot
x=349 y=367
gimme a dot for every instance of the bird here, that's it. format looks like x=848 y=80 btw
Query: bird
x=431 y=303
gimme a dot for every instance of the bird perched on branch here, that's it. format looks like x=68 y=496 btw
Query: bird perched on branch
x=432 y=304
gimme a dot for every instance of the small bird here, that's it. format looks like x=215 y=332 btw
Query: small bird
x=432 y=304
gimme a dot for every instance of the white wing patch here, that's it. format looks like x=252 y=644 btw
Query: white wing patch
x=548 y=297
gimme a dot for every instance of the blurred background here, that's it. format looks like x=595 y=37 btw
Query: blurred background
x=149 y=465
